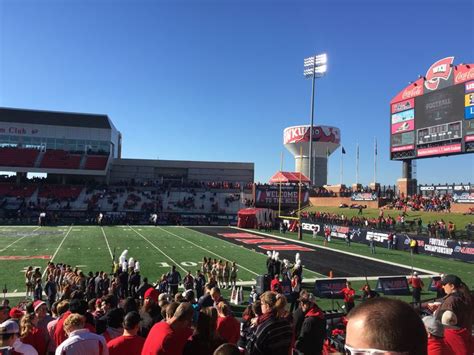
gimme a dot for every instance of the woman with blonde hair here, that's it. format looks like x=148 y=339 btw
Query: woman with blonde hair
x=31 y=334
x=273 y=335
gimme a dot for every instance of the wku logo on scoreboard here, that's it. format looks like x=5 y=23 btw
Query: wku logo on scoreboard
x=440 y=70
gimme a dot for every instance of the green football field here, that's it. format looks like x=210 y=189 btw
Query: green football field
x=91 y=248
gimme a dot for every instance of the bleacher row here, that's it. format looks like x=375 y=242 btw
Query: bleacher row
x=52 y=159
x=115 y=199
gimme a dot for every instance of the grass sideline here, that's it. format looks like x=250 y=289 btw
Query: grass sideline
x=458 y=219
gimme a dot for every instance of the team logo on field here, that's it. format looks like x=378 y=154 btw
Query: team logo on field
x=440 y=70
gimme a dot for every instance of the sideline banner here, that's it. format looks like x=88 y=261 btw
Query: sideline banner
x=445 y=248
x=364 y=196
x=393 y=286
x=329 y=288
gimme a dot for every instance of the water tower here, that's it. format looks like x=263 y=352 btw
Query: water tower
x=326 y=140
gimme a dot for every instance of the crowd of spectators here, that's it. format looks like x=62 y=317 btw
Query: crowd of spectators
x=418 y=202
x=71 y=312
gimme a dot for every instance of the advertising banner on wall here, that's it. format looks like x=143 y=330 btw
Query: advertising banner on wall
x=445 y=248
x=269 y=196
x=463 y=197
x=329 y=288
x=393 y=286
x=364 y=196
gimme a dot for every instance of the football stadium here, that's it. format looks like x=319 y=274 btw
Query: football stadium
x=105 y=254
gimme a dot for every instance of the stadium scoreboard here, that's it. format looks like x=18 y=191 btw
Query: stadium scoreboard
x=434 y=116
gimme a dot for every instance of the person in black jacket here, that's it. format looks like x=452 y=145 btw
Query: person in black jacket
x=310 y=339
x=272 y=334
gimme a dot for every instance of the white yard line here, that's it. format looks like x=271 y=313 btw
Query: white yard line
x=57 y=249
x=161 y=251
x=338 y=251
x=107 y=242
x=17 y=240
x=207 y=250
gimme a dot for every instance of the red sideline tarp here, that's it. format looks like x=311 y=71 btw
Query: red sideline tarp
x=287 y=177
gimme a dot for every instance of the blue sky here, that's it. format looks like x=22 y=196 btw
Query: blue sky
x=220 y=80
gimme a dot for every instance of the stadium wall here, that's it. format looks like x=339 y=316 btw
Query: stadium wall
x=147 y=169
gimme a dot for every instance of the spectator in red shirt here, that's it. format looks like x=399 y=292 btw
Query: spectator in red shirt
x=129 y=342
x=170 y=337
x=417 y=285
x=435 y=331
x=275 y=285
x=349 y=294
x=227 y=326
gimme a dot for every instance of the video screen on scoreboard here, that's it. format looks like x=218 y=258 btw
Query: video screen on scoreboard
x=439 y=108
x=435 y=123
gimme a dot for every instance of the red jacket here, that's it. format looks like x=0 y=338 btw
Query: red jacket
x=437 y=346
x=416 y=282
x=459 y=341
x=275 y=285
x=37 y=339
x=349 y=294
x=229 y=329
x=163 y=339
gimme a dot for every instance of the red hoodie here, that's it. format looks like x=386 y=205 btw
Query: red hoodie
x=459 y=341
x=437 y=346
x=228 y=328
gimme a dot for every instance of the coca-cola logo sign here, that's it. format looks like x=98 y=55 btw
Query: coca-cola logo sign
x=464 y=73
x=440 y=70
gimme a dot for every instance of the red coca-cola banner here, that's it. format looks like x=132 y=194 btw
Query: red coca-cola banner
x=463 y=72
x=445 y=149
x=412 y=90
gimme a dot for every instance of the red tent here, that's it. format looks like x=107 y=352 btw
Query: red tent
x=251 y=217
x=287 y=177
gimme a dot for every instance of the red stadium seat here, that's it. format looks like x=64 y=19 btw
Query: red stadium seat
x=96 y=162
x=18 y=157
x=60 y=159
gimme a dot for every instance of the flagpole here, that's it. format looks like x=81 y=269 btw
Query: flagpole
x=327 y=166
x=342 y=165
x=375 y=160
x=357 y=165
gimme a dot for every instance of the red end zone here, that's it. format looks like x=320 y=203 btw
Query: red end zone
x=241 y=235
x=284 y=247
x=258 y=241
x=25 y=257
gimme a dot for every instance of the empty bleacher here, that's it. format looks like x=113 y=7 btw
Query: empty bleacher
x=60 y=159
x=12 y=190
x=60 y=192
x=18 y=157
x=96 y=162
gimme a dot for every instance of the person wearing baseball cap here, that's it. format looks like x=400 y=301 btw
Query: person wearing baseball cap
x=16 y=313
x=10 y=342
x=8 y=334
x=312 y=334
x=457 y=300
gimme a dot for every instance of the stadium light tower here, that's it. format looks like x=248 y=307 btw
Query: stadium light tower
x=314 y=67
